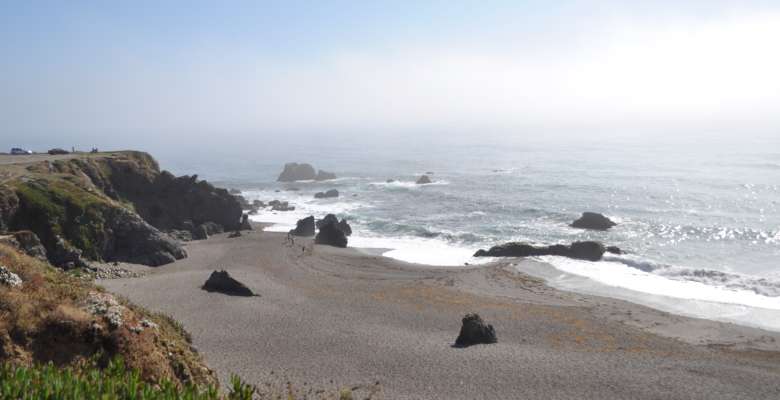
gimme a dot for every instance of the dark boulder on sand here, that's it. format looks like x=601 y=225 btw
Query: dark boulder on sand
x=332 y=232
x=424 y=180
x=475 y=331
x=325 y=195
x=591 y=251
x=222 y=282
x=234 y=234
x=297 y=172
x=304 y=227
x=331 y=219
x=594 y=221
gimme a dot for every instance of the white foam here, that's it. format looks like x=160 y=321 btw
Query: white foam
x=407 y=249
x=691 y=298
x=409 y=184
x=419 y=250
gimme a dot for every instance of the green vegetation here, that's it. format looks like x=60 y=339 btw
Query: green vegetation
x=114 y=382
x=63 y=208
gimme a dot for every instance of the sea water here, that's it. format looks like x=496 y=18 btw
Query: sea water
x=700 y=222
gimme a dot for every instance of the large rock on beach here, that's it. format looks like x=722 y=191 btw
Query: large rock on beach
x=326 y=195
x=475 y=331
x=591 y=251
x=332 y=232
x=222 y=282
x=594 y=221
x=304 y=227
x=424 y=180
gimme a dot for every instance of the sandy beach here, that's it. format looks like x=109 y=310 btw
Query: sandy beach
x=329 y=317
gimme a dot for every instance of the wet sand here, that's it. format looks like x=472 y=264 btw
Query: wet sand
x=346 y=318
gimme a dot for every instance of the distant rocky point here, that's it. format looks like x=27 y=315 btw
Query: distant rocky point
x=303 y=172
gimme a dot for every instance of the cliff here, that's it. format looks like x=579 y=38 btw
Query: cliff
x=109 y=206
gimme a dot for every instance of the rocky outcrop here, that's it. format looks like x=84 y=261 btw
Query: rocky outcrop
x=222 y=282
x=9 y=205
x=475 y=331
x=304 y=227
x=297 y=172
x=328 y=194
x=112 y=208
x=131 y=239
x=424 y=180
x=594 y=221
x=303 y=172
x=331 y=232
x=27 y=242
x=343 y=225
x=324 y=176
x=591 y=251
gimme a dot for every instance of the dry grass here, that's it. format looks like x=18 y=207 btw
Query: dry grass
x=45 y=320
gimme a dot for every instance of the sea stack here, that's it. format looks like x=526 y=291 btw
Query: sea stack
x=424 y=180
x=593 y=221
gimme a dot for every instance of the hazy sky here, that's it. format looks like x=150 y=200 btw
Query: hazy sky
x=143 y=74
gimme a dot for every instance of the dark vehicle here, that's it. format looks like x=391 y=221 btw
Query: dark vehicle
x=18 y=152
x=58 y=151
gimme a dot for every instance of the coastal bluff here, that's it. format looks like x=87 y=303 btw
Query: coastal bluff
x=114 y=206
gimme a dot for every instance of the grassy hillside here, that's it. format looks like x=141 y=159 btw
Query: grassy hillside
x=59 y=318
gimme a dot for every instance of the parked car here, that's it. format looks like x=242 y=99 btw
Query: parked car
x=58 y=151
x=18 y=152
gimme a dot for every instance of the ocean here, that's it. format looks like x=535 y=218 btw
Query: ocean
x=699 y=219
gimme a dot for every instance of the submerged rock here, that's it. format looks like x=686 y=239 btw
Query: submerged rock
x=594 y=221
x=325 y=195
x=222 y=282
x=614 y=250
x=475 y=331
x=304 y=227
x=234 y=234
x=424 y=180
x=591 y=251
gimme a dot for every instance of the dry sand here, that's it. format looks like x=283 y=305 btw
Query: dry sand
x=330 y=317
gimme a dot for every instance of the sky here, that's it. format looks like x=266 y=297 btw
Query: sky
x=155 y=74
